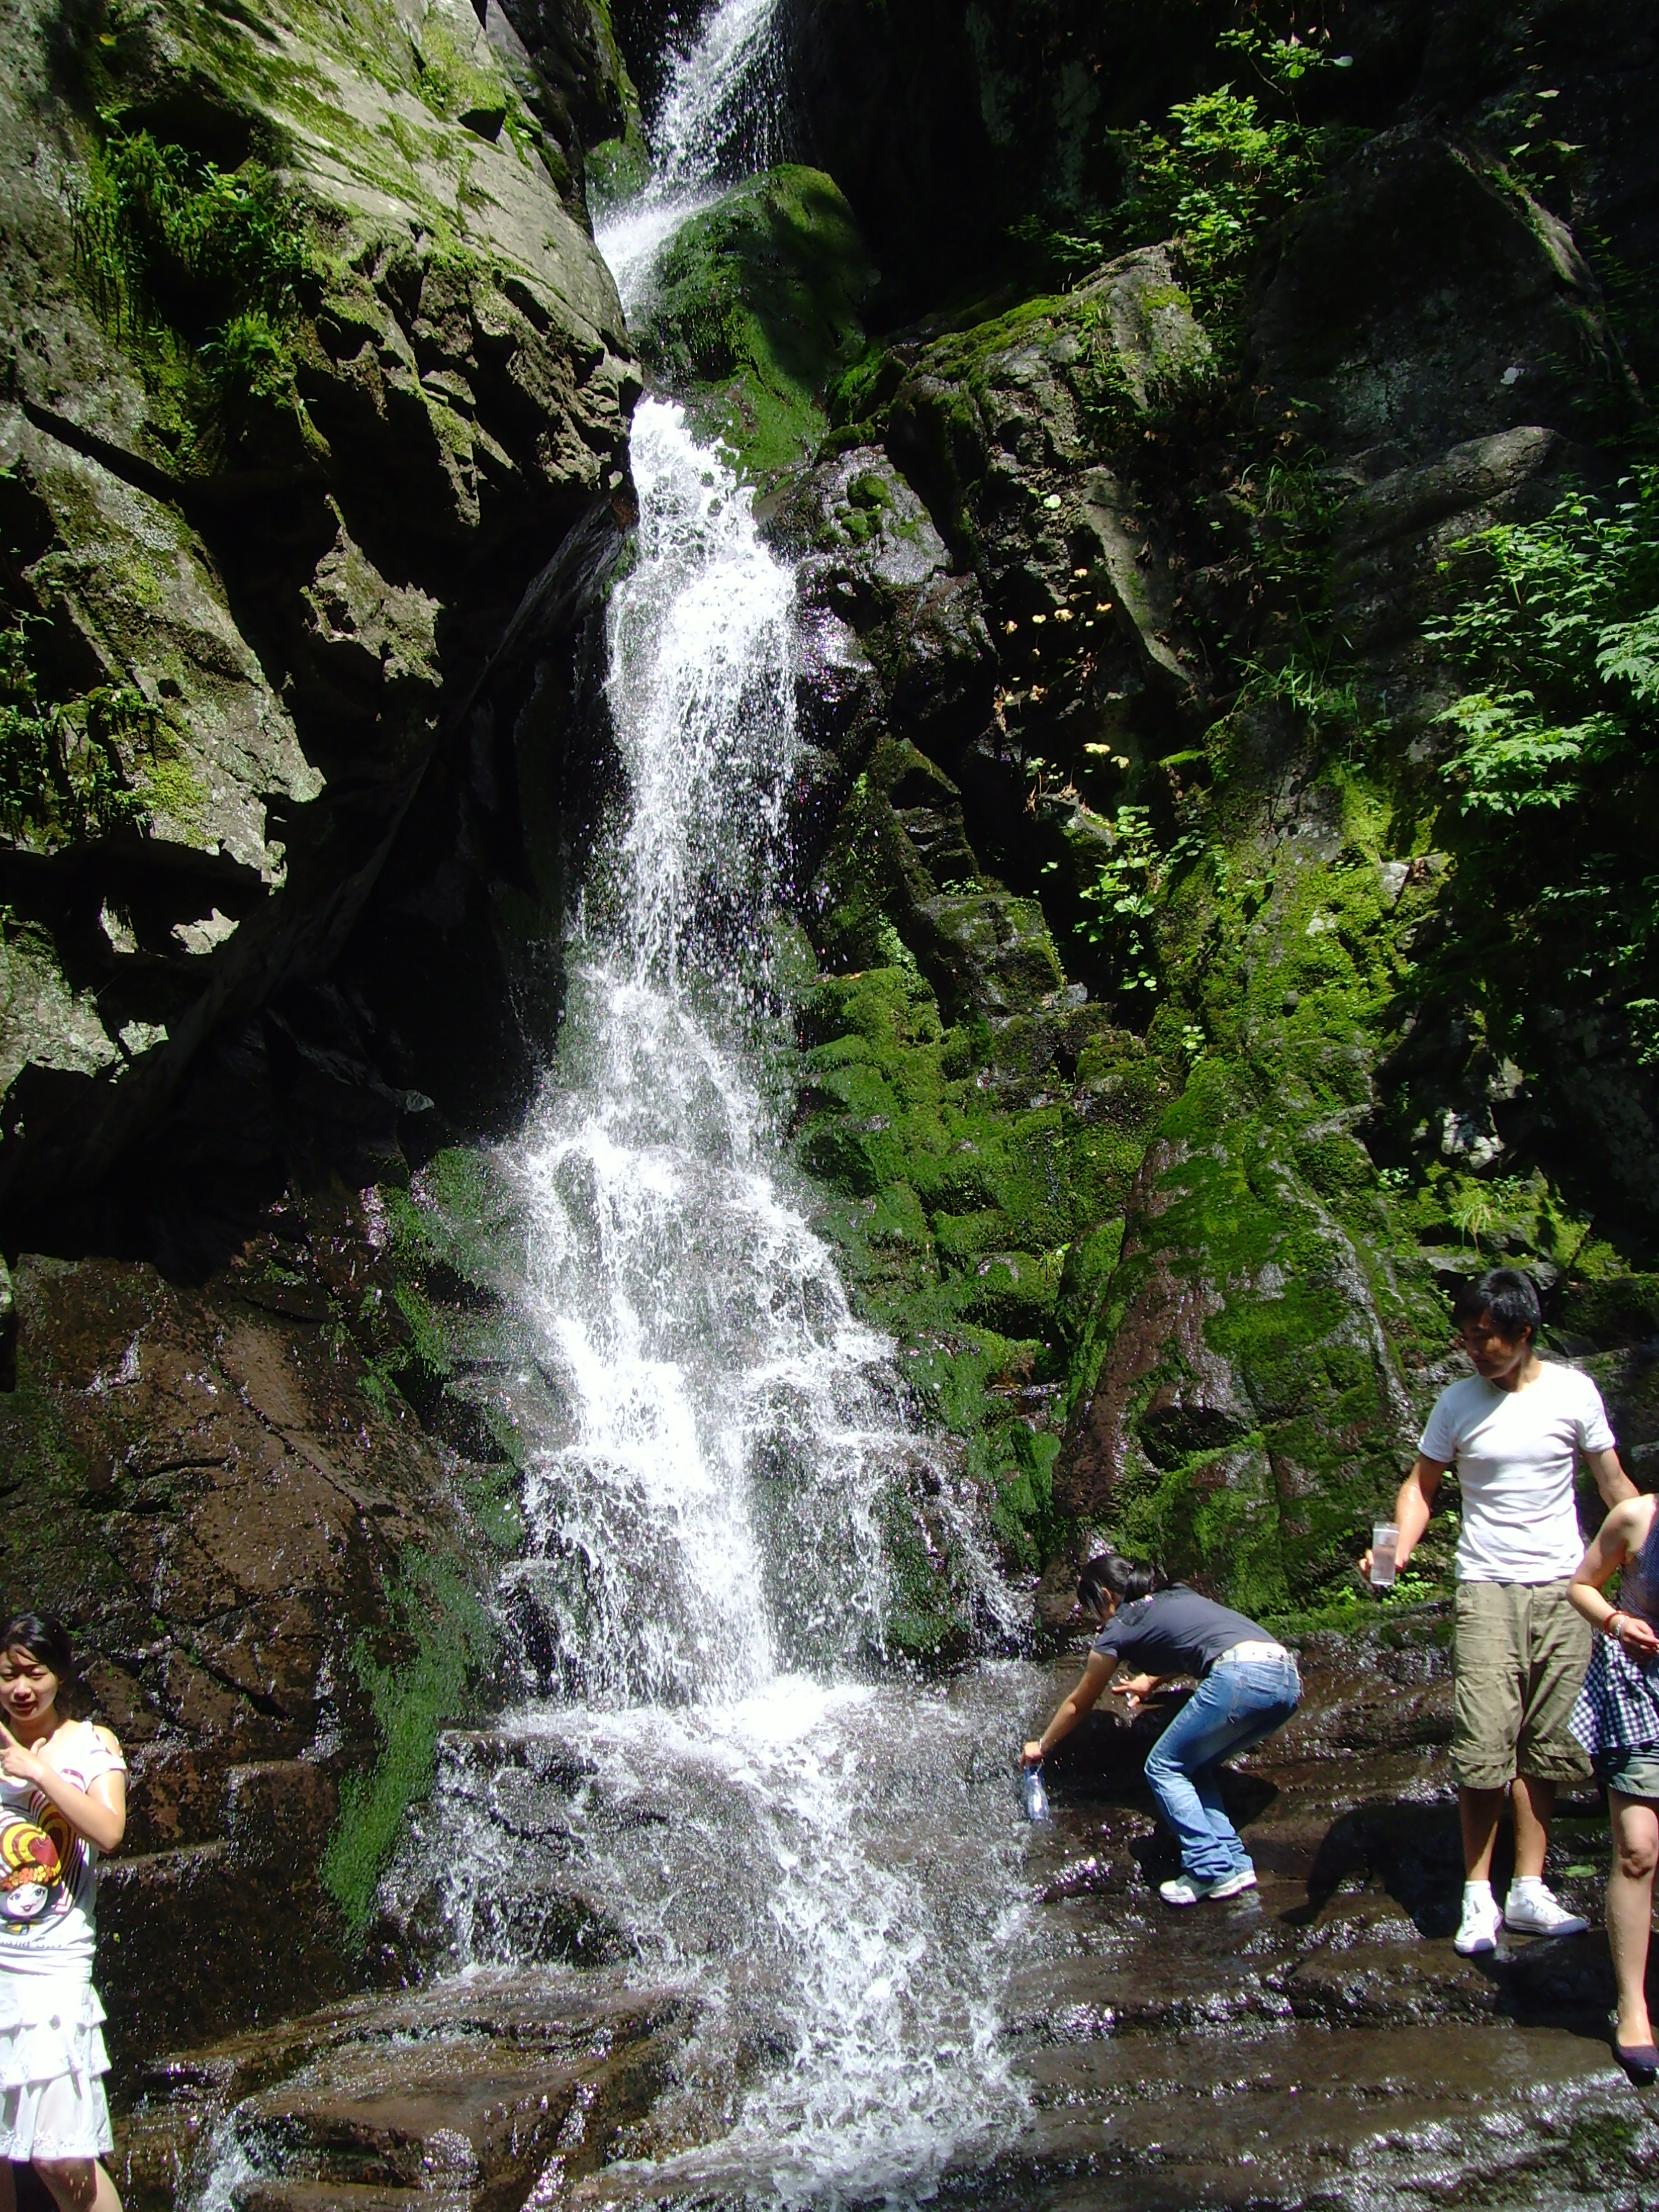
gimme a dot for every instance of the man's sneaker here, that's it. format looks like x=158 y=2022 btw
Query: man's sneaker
x=1478 y=1929
x=1532 y=1909
x=1186 y=1889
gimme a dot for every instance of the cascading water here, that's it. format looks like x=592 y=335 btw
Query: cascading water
x=714 y=1787
x=718 y=103
x=828 y=1860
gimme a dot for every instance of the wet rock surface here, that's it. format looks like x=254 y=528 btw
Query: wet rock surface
x=215 y=1486
x=489 y=2096
x=263 y=510
x=1318 y=2042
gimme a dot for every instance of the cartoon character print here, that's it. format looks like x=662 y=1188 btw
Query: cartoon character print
x=33 y=1867
x=41 y=1861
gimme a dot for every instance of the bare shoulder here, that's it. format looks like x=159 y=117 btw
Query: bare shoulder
x=1631 y=1522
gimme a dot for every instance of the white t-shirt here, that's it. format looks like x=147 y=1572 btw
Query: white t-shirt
x=49 y=1874
x=1514 y=1452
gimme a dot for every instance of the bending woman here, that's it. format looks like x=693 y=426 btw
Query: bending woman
x=1616 y=1721
x=63 y=1801
x=1248 y=1686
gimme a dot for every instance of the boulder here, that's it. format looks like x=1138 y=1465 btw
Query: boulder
x=752 y=312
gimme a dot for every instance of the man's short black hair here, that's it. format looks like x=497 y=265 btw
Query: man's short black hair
x=1509 y=1296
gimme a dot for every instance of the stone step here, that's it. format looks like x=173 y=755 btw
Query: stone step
x=342 y=2196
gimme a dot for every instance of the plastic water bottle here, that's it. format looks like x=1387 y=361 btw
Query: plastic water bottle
x=1385 y=1544
x=1032 y=1795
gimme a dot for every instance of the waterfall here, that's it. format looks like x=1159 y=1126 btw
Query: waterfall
x=827 y=1860
x=715 y=1781
x=700 y=1336
x=718 y=105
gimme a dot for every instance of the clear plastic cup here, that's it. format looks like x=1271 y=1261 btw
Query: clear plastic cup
x=1385 y=1543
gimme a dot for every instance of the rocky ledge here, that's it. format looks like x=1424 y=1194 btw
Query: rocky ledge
x=1312 y=2043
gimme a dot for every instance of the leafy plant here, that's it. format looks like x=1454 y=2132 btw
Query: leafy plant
x=1473 y=1212
x=1123 y=902
x=1224 y=167
x=1306 y=682
x=157 y=230
x=1557 y=740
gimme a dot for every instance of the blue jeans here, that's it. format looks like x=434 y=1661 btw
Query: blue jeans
x=1232 y=1708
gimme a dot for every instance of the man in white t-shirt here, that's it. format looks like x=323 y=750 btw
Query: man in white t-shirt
x=1513 y=1430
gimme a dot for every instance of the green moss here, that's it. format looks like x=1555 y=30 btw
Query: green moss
x=171 y=790
x=756 y=314
x=953 y=1203
x=617 y=168
x=449 y=1636
x=64 y=761
x=454 y=85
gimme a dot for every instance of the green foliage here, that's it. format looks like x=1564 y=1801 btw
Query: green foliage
x=249 y=358
x=161 y=233
x=1511 y=758
x=452 y=1637
x=1557 y=740
x=1563 y=623
x=1226 y=165
x=61 y=777
x=1306 y=683
x=1123 y=902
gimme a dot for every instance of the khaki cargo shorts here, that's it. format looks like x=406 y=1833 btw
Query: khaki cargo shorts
x=1518 y=1664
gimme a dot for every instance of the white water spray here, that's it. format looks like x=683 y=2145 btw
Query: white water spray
x=719 y=91
x=827 y=1861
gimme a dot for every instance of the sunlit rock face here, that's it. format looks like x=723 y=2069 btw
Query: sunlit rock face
x=318 y=367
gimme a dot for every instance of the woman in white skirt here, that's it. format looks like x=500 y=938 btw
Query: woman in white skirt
x=63 y=1801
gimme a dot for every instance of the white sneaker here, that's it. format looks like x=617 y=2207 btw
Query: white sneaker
x=1186 y=1889
x=1533 y=1909
x=1478 y=1929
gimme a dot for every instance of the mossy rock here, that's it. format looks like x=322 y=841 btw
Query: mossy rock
x=755 y=311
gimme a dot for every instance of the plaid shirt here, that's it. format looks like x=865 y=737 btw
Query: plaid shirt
x=1618 y=1708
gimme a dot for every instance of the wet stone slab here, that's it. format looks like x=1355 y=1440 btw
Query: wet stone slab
x=1317 y=2043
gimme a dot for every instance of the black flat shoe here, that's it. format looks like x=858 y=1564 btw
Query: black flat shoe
x=1640 y=2062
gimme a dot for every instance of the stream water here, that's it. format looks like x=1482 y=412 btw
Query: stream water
x=723 y=1787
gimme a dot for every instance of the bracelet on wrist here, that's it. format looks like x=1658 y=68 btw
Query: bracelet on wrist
x=1610 y=1626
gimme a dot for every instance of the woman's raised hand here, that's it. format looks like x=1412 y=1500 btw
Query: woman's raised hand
x=17 y=1762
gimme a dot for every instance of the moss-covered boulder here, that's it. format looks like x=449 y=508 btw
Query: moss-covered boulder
x=754 y=313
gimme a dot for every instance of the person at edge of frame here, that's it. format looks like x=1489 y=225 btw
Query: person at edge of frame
x=1513 y=1430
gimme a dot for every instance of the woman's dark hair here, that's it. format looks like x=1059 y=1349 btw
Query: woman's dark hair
x=44 y=1637
x=1110 y=1575
x=1509 y=1296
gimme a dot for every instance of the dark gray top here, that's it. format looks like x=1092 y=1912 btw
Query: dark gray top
x=1175 y=1632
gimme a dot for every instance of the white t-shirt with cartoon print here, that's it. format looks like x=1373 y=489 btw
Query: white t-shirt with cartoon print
x=48 y=1873
x=1514 y=1452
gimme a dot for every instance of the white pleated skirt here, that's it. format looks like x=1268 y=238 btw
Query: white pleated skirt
x=52 y=2064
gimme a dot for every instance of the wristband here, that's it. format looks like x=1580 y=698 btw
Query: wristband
x=1608 y=1627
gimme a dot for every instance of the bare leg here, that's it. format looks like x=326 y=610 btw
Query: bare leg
x=1630 y=1910
x=1532 y=1802
x=1479 y=1810
x=78 y=2184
